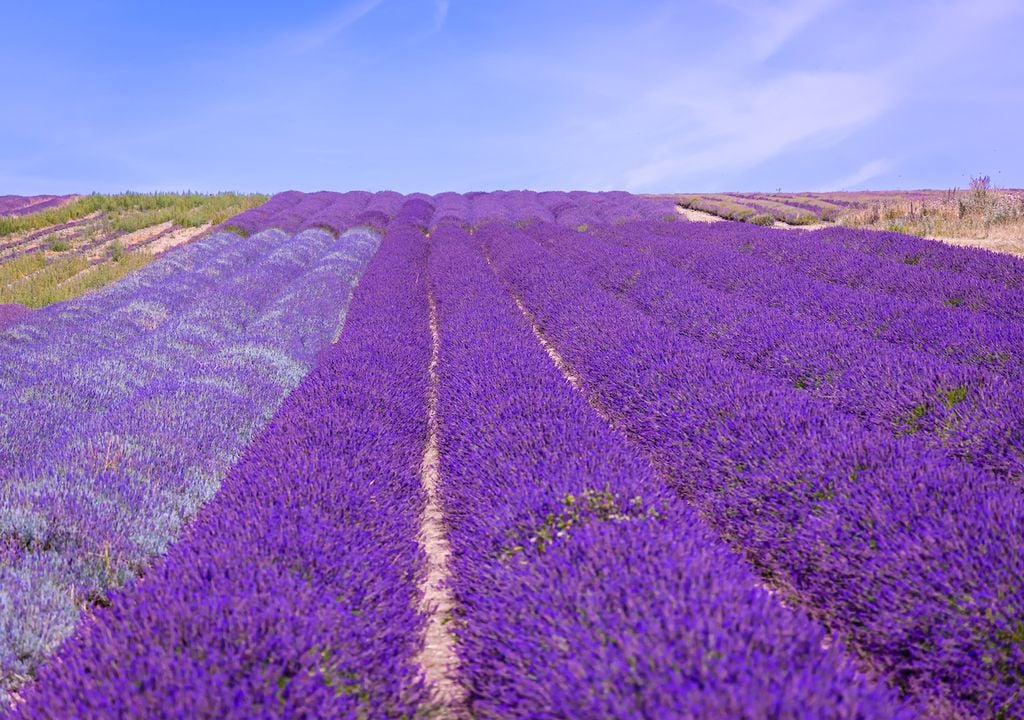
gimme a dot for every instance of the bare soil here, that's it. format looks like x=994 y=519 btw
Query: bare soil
x=437 y=658
x=698 y=215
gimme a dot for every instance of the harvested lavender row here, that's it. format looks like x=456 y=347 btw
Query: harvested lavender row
x=540 y=495
x=293 y=593
x=23 y=205
x=821 y=254
x=720 y=259
x=917 y=565
x=145 y=435
x=974 y=414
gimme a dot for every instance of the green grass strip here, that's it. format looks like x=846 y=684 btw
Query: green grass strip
x=97 y=276
x=19 y=267
x=133 y=211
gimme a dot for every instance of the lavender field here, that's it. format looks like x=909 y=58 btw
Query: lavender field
x=517 y=455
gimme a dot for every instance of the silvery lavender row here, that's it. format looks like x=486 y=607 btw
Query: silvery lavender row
x=917 y=564
x=821 y=254
x=134 y=329
x=974 y=414
x=104 y=321
x=293 y=593
x=585 y=589
x=719 y=259
x=111 y=451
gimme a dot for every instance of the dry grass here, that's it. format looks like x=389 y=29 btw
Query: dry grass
x=978 y=216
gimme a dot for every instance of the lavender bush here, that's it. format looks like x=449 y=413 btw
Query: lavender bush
x=585 y=589
x=111 y=440
x=293 y=593
x=915 y=562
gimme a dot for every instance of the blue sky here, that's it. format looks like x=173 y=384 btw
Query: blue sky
x=434 y=95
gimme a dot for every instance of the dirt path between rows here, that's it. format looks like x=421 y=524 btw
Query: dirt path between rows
x=174 y=238
x=698 y=215
x=437 y=657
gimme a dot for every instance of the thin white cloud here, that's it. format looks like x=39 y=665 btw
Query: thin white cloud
x=733 y=126
x=771 y=25
x=648 y=127
x=866 y=172
x=328 y=29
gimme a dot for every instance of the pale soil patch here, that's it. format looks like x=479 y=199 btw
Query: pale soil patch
x=697 y=215
x=43 y=238
x=437 y=657
x=810 y=226
x=177 y=237
x=1011 y=246
x=133 y=239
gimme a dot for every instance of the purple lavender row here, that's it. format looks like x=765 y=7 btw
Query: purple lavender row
x=914 y=562
x=111 y=443
x=338 y=215
x=383 y=206
x=264 y=216
x=292 y=218
x=293 y=594
x=999 y=268
x=585 y=589
x=717 y=258
x=976 y=415
x=823 y=254
x=570 y=209
x=452 y=207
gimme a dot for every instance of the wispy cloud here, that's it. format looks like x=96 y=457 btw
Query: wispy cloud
x=329 y=28
x=723 y=129
x=865 y=173
x=769 y=26
x=651 y=127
